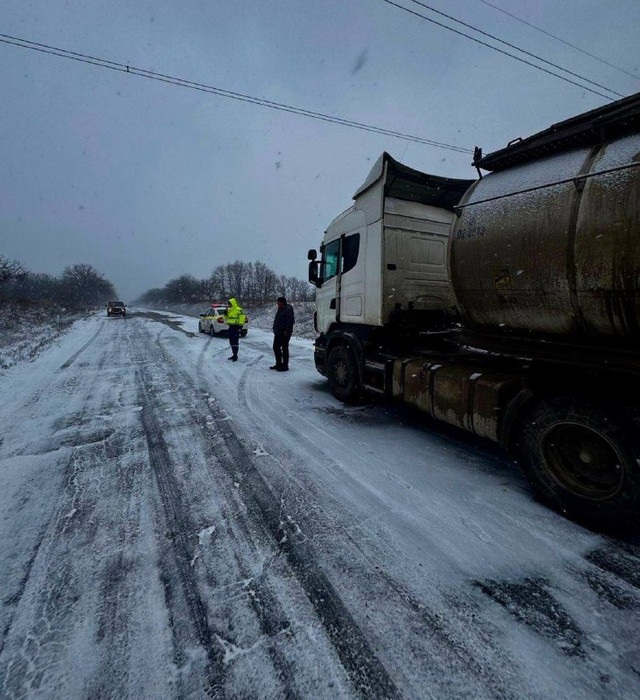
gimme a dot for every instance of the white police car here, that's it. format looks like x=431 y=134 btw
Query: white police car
x=213 y=321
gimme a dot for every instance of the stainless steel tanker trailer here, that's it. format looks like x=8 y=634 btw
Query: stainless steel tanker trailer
x=507 y=306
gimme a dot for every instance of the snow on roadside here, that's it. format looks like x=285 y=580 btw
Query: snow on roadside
x=28 y=329
x=260 y=315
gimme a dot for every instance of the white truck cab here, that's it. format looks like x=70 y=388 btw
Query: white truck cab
x=385 y=258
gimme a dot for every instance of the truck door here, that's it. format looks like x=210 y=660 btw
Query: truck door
x=327 y=295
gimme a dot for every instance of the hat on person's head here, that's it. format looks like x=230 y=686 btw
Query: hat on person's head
x=281 y=299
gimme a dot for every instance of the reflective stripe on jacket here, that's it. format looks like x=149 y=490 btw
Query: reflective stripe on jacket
x=234 y=314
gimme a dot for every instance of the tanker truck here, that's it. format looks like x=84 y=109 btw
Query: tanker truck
x=507 y=306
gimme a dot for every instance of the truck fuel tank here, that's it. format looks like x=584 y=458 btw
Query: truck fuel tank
x=456 y=393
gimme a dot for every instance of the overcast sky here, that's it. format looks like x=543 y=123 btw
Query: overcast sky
x=146 y=181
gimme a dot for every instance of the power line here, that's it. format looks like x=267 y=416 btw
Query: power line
x=495 y=48
x=562 y=41
x=517 y=48
x=182 y=82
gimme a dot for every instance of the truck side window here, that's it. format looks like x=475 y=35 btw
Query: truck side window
x=330 y=260
x=350 y=248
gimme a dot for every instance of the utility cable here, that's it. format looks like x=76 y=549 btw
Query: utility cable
x=517 y=48
x=182 y=82
x=495 y=48
x=557 y=38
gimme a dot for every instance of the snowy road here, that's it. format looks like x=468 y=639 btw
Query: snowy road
x=175 y=525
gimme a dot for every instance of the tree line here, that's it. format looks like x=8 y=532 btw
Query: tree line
x=79 y=285
x=247 y=281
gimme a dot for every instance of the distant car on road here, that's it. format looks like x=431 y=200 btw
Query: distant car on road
x=117 y=308
x=213 y=321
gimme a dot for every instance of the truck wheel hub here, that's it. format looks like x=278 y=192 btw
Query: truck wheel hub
x=582 y=461
x=341 y=373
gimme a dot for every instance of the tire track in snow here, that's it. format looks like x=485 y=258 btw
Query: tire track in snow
x=84 y=573
x=202 y=356
x=180 y=527
x=51 y=598
x=272 y=619
x=366 y=673
x=75 y=355
x=448 y=650
x=115 y=618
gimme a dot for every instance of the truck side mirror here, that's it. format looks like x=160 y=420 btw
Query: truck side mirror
x=312 y=254
x=314 y=274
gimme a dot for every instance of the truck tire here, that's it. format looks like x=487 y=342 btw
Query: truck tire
x=342 y=372
x=583 y=456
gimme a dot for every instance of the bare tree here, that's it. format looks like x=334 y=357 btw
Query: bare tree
x=185 y=288
x=10 y=270
x=297 y=289
x=249 y=281
x=265 y=281
x=236 y=272
x=155 y=295
x=218 y=283
x=35 y=286
x=82 y=284
x=208 y=288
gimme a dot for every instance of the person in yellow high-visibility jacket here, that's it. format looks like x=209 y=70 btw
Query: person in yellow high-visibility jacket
x=235 y=318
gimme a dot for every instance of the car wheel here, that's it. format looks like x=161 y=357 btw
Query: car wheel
x=342 y=372
x=211 y=330
x=199 y=327
x=583 y=456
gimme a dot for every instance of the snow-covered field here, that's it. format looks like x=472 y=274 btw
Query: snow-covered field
x=176 y=525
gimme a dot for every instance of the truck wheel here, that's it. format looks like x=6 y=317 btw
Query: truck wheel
x=583 y=458
x=342 y=372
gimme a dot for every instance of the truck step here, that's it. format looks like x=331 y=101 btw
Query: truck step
x=373 y=389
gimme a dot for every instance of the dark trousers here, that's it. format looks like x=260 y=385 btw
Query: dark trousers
x=281 y=349
x=234 y=339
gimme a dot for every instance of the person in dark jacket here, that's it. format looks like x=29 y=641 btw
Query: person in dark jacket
x=282 y=331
